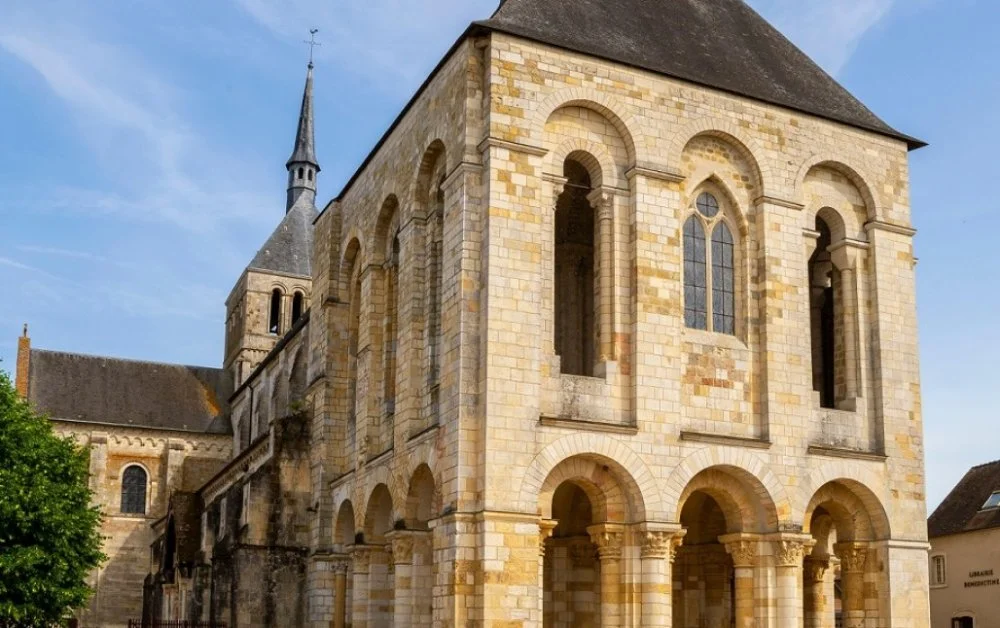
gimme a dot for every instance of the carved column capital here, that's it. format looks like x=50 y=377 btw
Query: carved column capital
x=608 y=539
x=401 y=546
x=545 y=529
x=603 y=203
x=814 y=568
x=661 y=543
x=789 y=550
x=852 y=555
x=361 y=556
x=743 y=548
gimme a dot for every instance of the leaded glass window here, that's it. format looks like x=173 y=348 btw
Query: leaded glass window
x=695 y=275
x=709 y=298
x=723 y=281
x=134 y=491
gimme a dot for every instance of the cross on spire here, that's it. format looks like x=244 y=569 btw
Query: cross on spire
x=312 y=43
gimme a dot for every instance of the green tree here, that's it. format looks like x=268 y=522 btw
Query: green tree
x=49 y=531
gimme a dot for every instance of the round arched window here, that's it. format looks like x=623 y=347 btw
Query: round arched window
x=134 y=491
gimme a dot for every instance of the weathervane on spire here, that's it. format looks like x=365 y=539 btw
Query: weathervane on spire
x=312 y=43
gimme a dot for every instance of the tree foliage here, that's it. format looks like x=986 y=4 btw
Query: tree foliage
x=49 y=531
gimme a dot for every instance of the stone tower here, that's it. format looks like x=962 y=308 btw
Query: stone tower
x=272 y=293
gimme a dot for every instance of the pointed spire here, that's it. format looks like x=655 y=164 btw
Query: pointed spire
x=305 y=140
x=303 y=169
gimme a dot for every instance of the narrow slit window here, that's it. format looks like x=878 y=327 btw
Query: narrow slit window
x=274 y=320
x=297 y=307
x=134 y=491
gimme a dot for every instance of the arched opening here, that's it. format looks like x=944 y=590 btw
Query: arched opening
x=822 y=317
x=353 y=346
x=571 y=572
x=391 y=336
x=724 y=509
x=963 y=622
x=422 y=505
x=435 y=289
x=133 y=500
x=378 y=523
x=274 y=317
x=586 y=502
x=575 y=286
x=301 y=173
x=844 y=518
x=297 y=303
x=344 y=537
x=310 y=174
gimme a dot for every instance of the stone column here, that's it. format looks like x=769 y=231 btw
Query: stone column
x=604 y=207
x=789 y=550
x=361 y=555
x=658 y=550
x=545 y=529
x=401 y=545
x=744 y=553
x=846 y=258
x=608 y=539
x=853 y=557
x=340 y=570
x=814 y=598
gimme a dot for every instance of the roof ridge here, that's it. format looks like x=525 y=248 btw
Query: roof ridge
x=94 y=356
x=985 y=464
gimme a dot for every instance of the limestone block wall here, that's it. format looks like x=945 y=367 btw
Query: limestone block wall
x=173 y=461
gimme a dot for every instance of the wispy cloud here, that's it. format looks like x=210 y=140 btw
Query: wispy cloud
x=829 y=31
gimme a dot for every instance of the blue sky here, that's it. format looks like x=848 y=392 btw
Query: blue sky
x=142 y=150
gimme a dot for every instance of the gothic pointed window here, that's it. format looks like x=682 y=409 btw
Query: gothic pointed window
x=709 y=297
x=274 y=318
x=134 y=491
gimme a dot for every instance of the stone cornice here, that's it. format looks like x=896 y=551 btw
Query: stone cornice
x=780 y=202
x=514 y=147
x=586 y=426
x=879 y=225
x=731 y=441
x=670 y=176
x=852 y=454
x=456 y=174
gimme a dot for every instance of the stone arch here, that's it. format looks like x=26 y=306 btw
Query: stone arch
x=611 y=108
x=345 y=529
x=379 y=515
x=624 y=464
x=385 y=227
x=855 y=493
x=749 y=148
x=745 y=502
x=845 y=216
x=423 y=499
x=382 y=475
x=432 y=162
x=748 y=469
x=349 y=263
x=595 y=157
x=856 y=175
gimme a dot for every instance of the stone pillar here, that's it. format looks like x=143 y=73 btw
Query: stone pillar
x=789 y=550
x=401 y=543
x=846 y=258
x=604 y=208
x=814 y=598
x=340 y=570
x=853 y=557
x=361 y=555
x=545 y=529
x=744 y=553
x=659 y=547
x=23 y=372
x=608 y=539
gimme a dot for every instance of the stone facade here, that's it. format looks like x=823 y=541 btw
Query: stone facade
x=501 y=411
x=689 y=478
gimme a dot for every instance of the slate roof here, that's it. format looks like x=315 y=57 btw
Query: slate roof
x=960 y=511
x=723 y=44
x=305 y=141
x=289 y=249
x=113 y=391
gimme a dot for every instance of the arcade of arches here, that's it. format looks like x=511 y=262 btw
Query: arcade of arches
x=724 y=563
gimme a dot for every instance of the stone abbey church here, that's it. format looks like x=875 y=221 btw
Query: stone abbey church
x=614 y=327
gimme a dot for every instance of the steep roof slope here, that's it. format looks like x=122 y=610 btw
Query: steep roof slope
x=962 y=510
x=99 y=389
x=289 y=249
x=717 y=43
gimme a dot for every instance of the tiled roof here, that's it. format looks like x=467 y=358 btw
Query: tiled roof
x=962 y=510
